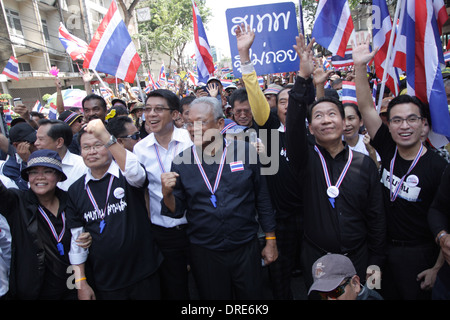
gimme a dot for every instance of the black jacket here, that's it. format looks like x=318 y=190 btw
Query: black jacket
x=28 y=256
x=357 y=221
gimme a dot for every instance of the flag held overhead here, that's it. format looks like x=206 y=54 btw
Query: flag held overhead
x=111 y=50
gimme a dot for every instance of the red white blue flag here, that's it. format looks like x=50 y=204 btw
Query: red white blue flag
x=421 y=25
x=111 y=50
x=349 y=92
x=205 y=63
x=345 y=61
x=74 y=46
x=162 y=74
x=12 y=68
x=382 y=27
x=333 y=25
x=38 y=107
x=236 y=166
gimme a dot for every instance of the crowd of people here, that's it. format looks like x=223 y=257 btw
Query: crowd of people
x=124 y=202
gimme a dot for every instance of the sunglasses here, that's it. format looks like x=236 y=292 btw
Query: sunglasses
x=336 y=293
x=134 y=136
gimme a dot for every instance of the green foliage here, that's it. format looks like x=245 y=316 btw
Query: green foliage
x=170 y=27
x=46 y=96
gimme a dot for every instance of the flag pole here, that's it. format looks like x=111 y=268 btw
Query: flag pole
x=388 y=56
x=140 y=88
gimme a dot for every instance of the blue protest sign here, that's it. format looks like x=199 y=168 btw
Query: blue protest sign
x=275 y=26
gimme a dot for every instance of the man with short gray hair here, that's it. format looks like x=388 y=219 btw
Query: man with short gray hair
x=222 y=192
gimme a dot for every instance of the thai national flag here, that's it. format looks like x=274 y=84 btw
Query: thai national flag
x=326 y=65
x=8 y=117
x=226 y=83
x=38 y=107
x=382 y=27
x=225 y=70
x=261 y=81
x=74 y=46
x=148 y=89
x=162 y=74
x=52 y=111
x=349 y=92
x=421 y=27
x=111 y=50
x=236 y=166
x=12 y=68
x=205 y=64
x=345 y=61
x=106 y=92
x=447 y=56
x=333 y=25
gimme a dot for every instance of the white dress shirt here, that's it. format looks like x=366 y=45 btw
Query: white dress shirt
x=145 y=150
x=73 y=167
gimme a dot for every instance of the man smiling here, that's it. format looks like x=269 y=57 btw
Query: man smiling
x=410 y=176
x=156 y=153
x=343 y=210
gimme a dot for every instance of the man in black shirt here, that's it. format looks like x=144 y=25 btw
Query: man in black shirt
x=284 y=187
x=410 y=176
x=109 y=202
x=343 y=210
x=224 y=196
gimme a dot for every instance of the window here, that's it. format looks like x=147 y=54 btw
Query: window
x=45 y=29
x=14 y=22
x=24 y=66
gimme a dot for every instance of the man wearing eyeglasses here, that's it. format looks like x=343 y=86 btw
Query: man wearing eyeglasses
x=410 y=176
x=335 y=278
x=126 y=132
x=156 y=152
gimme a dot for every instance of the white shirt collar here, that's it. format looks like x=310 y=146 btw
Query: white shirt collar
x=113 y=170
x=177 y=135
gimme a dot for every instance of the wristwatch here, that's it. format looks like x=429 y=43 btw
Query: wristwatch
x=111 y=141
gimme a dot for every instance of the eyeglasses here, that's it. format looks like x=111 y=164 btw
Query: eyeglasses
x=244 y=111
x=336 y=293
x=134 y=136
x=95 y=147
x=411 y=120
x=46 y=173
x=203 y=123
x=156 y=109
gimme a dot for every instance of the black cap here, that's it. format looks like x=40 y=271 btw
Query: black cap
x=22 y=132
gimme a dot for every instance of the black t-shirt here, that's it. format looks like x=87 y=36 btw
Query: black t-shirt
x=125 y=252
x=407 y=216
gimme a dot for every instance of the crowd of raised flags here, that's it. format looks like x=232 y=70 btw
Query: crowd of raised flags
x=417 y=31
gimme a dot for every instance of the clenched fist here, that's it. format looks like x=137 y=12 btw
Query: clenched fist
x=168 y=181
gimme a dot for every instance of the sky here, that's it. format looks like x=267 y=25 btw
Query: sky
x=216 y=28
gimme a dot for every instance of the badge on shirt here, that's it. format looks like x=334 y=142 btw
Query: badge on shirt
x=119 y=193
x=412 y=180
x=236 y=166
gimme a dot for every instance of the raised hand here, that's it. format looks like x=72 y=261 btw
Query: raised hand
x=306 y=56
x=361 y=51
x=244 y=38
